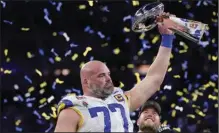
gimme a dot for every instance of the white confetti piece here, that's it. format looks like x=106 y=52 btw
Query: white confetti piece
x=16 y=87
x=100 y=34
x=179 y=108
x=50 y=99
x=167 y=87
x=7 y=22
x=66 y=36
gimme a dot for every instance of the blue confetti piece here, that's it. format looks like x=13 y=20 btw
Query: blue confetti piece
x=196 y=85
x=108 y=38
x=214 y=45
x=68 y=53
x=53 y=3
x=127 y=18
x=18 y=129
x=176 y=50
x=37 y=114
x=20 y=98
x=160 y=92
x=180 y=99
x=53 y=51
x=127 y=40
x=185 y=75
x=8 y=22
x=51 y=60
x=73 y=45
x=50 y=127
x=54 y=85
x=105 y=9
x=191 y=15
x=61 y=33
x=29 y=105
x=190 y=87
x=76 y=90
x=48 y=20
x=100 y=34
x=41 y=52
x=91 y=58
x=199 y=3
x=91 y=31
x=30 y=99
x=5 y=100
x=68 y=91
x=198 y=76
x=59 y=6
x=45 y=11
x=86 y=29
x=28 y=79
x=214 y=77
x=184 y=65
x=46 y=16
x=206 y=104
x=41 y=122
x=144 y=44
x=204 y=44
x=3 y=4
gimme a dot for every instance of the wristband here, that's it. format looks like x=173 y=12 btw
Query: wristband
x=167 y=40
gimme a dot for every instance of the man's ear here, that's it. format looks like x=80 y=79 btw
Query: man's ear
x=138 y=121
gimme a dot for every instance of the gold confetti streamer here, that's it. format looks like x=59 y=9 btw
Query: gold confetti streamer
x=74 y=57
x=43 y=100
x=82 y=64
x=7 y=71
x=53 y=115
x=173 y=105
x=121 y=84
x=173 y=114
x=6 y=52
x=59 y=81
x=17 y=122
x=130 y=66
x=25 y=29
x=87 y=50
x=155 y=39
x=81 y=7
x=191 y=116
x=45 y=116
x=126 y=29
x=176 y=76
x=91 y=3
x=31 y=89
x=116 y=51
x=43 y=84
x=135 y=3
x=137 y=75
x=38 y=72
x=58 y=59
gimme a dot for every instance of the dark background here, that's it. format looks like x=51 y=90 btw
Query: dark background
x=194 y=72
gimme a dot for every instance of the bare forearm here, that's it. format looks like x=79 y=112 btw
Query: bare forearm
x=159 y=66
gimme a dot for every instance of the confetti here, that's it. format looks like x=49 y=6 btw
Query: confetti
x=50 y=127
x=91 y=3
x=167 y=87
x=51 y=60
x=116 y=51
x=100 y=34
x=41 y=52
x=137 y=75
x=38 y=72
x=28 y=79
x=45 y=116
x=59 y=81
x=29 y=55
x=46 y=16
x=104 y=9
x=37 y=114
x=135 y=3
x=73 y=45
x=127 y=18
x=87 y=50
x=3 y=4
x=125 y=29
x=18 y=129
x=68 y=53
x=58 y=8
x=43 y=84
x=82 y=7
x=50 y=99
x=155 y=39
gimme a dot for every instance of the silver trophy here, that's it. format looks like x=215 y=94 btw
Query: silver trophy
x=145 y=19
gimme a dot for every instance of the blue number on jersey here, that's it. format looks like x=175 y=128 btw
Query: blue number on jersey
x=106 y=113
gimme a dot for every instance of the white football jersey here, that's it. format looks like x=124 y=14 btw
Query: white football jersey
x=97 y=115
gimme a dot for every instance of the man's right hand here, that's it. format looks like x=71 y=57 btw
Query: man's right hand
x=165 y=24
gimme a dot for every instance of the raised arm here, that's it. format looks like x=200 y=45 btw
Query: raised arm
x=156 y=73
